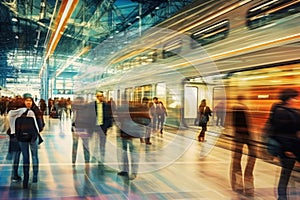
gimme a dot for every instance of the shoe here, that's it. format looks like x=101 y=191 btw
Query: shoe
x=149 y=143
x=122 y=173
x=16 y=179
x=132 y=176
x=239 y=191
x=249 y=194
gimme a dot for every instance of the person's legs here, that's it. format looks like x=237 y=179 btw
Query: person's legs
x=218 y=120
x=74 y=146
x=102 y=143
x=25 y=153
x=35 y=160
x=123 y=163
x=287 y=165
x=86 y=149
x=134 y=155
x=236 y=169
x=202 y=133
x=16 y=160
x=248 y=175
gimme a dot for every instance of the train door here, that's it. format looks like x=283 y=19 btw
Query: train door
x=193 y=94
x=195 y=90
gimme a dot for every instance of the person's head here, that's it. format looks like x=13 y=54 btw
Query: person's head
x=100 y=96
x=145 y=100
x=155 y=100
x=203 y=102
x=79 y=100
x=288 y=94
x=28 y=100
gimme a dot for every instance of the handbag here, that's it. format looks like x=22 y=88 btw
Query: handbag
x=25 y=128
x=202 y=120
x=272 y=145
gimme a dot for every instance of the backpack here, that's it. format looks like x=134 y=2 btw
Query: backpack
x=25 y=128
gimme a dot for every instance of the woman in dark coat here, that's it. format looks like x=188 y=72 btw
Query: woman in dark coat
x=204 y=112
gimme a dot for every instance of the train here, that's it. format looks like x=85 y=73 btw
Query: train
x=213 y=50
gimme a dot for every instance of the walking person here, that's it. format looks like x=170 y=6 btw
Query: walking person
x=34 y=126
x=242 y=182
x=284 y=120
x=14 y=150
x=154 y=110
x=162 y=114
x=220 y=111
x=204 y=112
x=133 y=121
x=43 y=106
x=103 y=118
x=83 y=124
x=148 y=129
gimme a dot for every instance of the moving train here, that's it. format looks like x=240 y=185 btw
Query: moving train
x=213 y=50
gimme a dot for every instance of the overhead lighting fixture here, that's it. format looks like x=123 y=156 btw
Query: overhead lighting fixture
x=66 y=9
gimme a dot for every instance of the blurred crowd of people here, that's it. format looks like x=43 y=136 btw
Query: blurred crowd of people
x=141 y=119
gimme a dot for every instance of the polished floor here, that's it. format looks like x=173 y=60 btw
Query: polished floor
x=175 y=166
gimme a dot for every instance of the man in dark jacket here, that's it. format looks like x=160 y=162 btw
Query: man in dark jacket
x=103 y=116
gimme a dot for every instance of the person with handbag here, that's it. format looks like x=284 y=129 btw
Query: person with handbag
x=284 y=119
x=204 y=112
x=28 y=118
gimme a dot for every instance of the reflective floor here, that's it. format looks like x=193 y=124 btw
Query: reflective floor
x=175 y=166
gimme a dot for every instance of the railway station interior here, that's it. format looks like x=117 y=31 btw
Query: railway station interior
x=150 y=99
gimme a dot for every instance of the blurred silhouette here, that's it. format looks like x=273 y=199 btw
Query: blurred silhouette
x=132 y=120
x=220 y=111
x=162 y=114
x=204 y=112
x=284 y=120
x=83 y=123
x=242 y=182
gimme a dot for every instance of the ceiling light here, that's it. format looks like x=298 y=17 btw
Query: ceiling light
x=14 y=19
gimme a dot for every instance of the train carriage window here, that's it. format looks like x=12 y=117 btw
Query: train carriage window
x=269 y=11
x=142 y=91
x=172 y=48
x=210 y=34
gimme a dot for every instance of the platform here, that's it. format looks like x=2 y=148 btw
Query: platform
x=173 y=167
